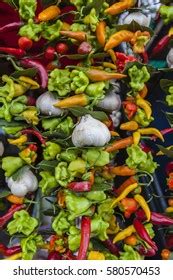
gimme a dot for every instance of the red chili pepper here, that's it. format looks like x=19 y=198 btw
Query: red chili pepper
x=163 y=132
x=35 y=133
x=50 y=53
x=128 y=206
x=54 y=256
x=32 y=147
x=29 y=63
x=85 y=238
x=130 y=108
x=147 y=252
x=62 y=48
x=145 y=57
x=13 y=51
x=84 y=186
x=25 y=43
x=11 y=26
x=161 y=45
x=111 y=247
x=9 y=251
x=169 y=168
x=31 y=101
x=146 y=148
x=14 y=208
x=123 y=59
x=143 y=234
x=156 y=218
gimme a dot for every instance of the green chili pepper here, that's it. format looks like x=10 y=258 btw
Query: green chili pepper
x=29 y=245
x=92 y=20
x=96 y=89
x=5 y=110
x=59 y=81
x=99 y=227
x=51 y=150
x=47 y=183
x=166 y=13
x=77 y=167
x=11 y=164
x=27 y=8
x=22 y=223
x=74 y=238
x=79 y=81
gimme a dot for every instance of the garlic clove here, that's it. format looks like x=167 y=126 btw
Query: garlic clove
x=45 y=103
x=169 y=58
x=90 y=132
x=139 y=17
x=1 y=148
x=111 y=102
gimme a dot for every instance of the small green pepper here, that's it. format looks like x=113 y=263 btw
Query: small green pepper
x=29 y=245
x=91 y=19
x=47 y=183
x=51 y=150
x=96 y=90
x=141 y=118
x=166 y=13
x=79 y=81
x=31 y=30
x=61 y=224
x=63 y=175
x=96 y=157
x=27 y=8
x=69 y=155
x=52 y=32
x=59 y=81
x=11 y=164
x=138 y=77
x=77 y=167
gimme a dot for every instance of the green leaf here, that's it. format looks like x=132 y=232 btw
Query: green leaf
x=169 y=117
x=54 y=134
x=49 y=2
x=31 y=72
x=133 y=27
x=165 y=85
x=48 y=165
x=4 y=193
x=96 y=4
x=165 y=151
x=101 y=187
x=81 y=111
x=12 y=124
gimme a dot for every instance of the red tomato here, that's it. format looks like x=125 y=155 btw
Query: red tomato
x=61 y=48
x=25 y=43
x=50 y=53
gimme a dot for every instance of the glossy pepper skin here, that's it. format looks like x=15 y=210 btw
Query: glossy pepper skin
x=141 y=201
x=119 y=7
x=85 y=238
x=9 y=251
x=156 y=218
x=49 y=13
x=129 y=206
x=12 y=51
x=80 y=186
x=124 y=194
x=124 y=233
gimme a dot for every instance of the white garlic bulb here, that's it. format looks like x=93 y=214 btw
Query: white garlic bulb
x=45 y=103
x=1 y=148
x=116 y=118
x=169 y=58
x=90 y=132
x=111 y=102
x=139 y=17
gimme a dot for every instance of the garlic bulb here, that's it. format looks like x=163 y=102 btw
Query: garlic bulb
x=111 y=102
x=1 y=148
x=116 y=118
x=169 y=58
x=139 y=17
x=45 y=104
x=90 y=132
x=27 y=182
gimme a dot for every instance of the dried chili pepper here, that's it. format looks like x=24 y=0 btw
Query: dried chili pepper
x=143 y=204
x=29 y=63
x=143 y=234
x=35 y=133
x=14 y=208
x=13 y=51
x=120 y=144
x=84 y=186
x=85 y=238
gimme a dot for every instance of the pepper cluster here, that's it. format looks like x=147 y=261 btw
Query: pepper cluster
x=61 y=109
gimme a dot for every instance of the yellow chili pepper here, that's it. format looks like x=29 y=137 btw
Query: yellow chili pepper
x=49 y=13
x=19 y=141
x=109 y=65
x=169 y=210
x=142 y=103
x=112 y=55
x=113 y=226
x=136 y=137
x=124 y=233
x=96 y=255
x=14 y=257
x=29 y=82
x=118 y=8
x=151 y=131
x=124 y=194
x=117 y=38
x=101 y=33
x=72 y=101
x=130 y=126
x=30 y=115
x=65 y=26
x=141 y=201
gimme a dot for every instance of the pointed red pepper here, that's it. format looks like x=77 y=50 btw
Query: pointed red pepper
x=85 y=238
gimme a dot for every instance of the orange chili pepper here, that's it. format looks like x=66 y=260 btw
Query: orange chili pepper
x=61 y=199
x=117 y=8
x=165 y=254
x=49 y=13
x=101 y=33
x=170 y=202
x=76 y=35
x=117 y=38
x=122 y=171
x=120 y=144
x=130 y=126
x=131 y=240
x=143 y=93
x=92 y=178
x=72 y=101
x=112 y=55
x=96 y=75
x=15 y=199
x=131 y=180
